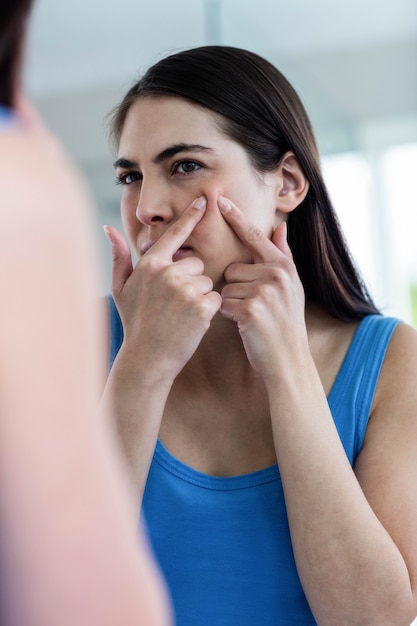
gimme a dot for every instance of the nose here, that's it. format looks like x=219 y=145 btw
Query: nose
x=154 y=204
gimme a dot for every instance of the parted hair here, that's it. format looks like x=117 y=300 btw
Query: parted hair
x=258 y=108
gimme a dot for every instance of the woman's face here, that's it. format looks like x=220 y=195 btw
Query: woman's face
x=170 y=153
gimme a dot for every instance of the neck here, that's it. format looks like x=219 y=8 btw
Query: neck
x=217 y=418
x=221 y=358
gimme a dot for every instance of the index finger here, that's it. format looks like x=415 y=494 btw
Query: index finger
x=251 y=235
x=176 y=234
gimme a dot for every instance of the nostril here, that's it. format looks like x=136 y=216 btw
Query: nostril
x=157 y=218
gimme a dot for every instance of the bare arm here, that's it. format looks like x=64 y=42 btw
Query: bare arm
x=69 y=545
x=356 y=560
x=166 y=308
x=354 y=536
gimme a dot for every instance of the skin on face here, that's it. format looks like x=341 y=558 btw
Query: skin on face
x=172 y=152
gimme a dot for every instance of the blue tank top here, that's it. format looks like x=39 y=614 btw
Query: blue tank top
x=223 y=544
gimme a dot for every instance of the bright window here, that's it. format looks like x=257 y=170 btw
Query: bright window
x=377 y=208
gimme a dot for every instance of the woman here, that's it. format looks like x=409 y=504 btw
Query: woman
x=266 y=409
x=69 y=550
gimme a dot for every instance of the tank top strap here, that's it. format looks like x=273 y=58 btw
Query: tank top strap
x=353 y=391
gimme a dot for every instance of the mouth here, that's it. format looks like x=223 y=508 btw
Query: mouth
x=146 y=245
x=181 y=252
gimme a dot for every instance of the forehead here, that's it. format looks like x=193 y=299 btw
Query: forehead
x=156 y=121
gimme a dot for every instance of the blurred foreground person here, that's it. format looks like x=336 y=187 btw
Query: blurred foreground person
x=70 y=554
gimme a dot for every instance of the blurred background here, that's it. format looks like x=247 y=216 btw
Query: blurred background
x=354 y=64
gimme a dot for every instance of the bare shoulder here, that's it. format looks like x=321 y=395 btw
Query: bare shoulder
x=393 y=421
x=397 y=381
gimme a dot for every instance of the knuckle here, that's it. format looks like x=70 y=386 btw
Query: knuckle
x=188 y=292
x=209 y=283
x=152 y=263
x=254 y=234
x=198 y=265
x=274 y=290
x=202 y=308
x=214 y=300
x=277 y=276
x=208 y=307
x=228 y=273
x=173 y=281
x=178 y=230
x=251 y=309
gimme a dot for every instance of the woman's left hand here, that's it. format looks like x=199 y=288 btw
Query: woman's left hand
x=265 y=298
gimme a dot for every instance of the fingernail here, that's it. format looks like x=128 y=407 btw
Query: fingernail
x=224 y=205
x=200 y=203
x=107 y=233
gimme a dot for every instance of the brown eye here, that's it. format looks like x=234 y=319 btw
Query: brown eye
x=186 y=167
x=129 y=178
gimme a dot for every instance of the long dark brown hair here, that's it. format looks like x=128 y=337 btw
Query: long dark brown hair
x=260 y=110
x=13 y=18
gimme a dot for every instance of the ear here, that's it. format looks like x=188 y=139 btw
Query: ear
x=293 y=184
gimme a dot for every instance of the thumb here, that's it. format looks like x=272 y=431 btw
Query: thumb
x=279 y=238
x=122 y=259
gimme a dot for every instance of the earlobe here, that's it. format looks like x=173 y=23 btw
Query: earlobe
x=293 y=186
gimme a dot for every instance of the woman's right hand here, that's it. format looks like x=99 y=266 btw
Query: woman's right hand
x=165 y=306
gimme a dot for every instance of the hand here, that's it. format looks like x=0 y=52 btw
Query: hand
x=166 y=307
x=265 y=298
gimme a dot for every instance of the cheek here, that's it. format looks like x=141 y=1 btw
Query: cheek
x=262 y=213
x=128 y=207
x=130 y=223
x=220 y=242
x=126 y=218
x=257 y=203
x=125 y=204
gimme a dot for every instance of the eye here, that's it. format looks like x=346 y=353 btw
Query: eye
x=186 y=167
x=128 y=178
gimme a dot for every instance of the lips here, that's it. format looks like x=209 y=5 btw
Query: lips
x=145 y=246
x=181 y=252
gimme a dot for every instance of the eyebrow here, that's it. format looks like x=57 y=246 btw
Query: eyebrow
x=124 y=164
x=179 y=147
x=164 y=155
